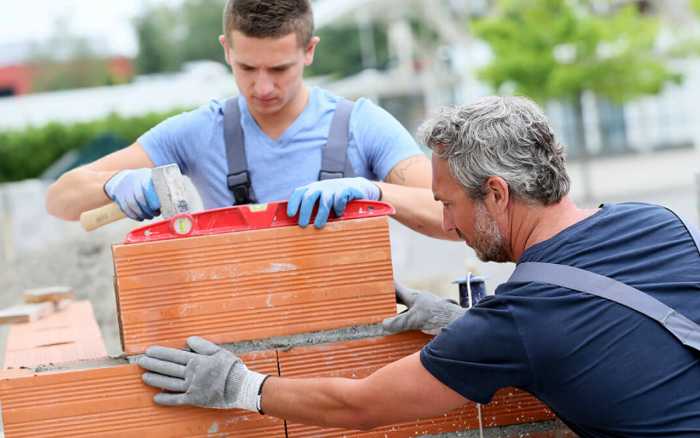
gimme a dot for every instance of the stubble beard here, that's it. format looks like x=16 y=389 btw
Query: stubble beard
x=489 y=243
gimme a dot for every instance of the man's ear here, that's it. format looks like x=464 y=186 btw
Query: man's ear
x=310 y=50
x=497 y=194
x=224 y=43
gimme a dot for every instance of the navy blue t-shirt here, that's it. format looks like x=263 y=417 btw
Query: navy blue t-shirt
x=606 y=370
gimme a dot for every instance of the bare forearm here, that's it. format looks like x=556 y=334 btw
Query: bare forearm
x=77 y=191
x=81 y=189
x=324 y=402
x=417 y=209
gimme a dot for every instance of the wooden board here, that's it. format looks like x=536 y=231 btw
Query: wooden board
x=53 y=294
x=24 y=313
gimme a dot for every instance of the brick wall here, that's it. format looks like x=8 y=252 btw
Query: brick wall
x=292 y=302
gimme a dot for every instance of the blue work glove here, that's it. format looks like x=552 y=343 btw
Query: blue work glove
x=208 y=376
x=133 y=191
x=329 y=193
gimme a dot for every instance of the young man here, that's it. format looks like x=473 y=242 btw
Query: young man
x=285 y=129
x=605 y=369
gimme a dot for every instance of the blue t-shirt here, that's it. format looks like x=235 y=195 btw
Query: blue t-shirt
x=606 y=370
x=195 y=141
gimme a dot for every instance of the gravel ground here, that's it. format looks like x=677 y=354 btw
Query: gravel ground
x=37 y=250
x=84 y=264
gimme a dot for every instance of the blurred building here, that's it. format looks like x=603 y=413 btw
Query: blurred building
x=444 y=73
x=19 y=72
x=647 y=150
x=648 y=147
x=194 y=85
x=424 y=73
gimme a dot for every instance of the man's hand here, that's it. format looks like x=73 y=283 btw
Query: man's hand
x=426 y=312
x=208 y=376
x=133 y=191
x=329 y=193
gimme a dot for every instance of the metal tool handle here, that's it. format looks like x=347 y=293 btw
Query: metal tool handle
x=93 y=219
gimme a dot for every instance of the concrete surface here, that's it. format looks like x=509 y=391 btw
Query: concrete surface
x=547 y=429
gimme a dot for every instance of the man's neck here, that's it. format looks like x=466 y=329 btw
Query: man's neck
x=274 y=125
x=532 y=225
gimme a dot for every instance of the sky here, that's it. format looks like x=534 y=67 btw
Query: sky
x=108 y=21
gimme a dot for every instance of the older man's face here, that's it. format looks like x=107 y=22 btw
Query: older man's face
x=469 y=218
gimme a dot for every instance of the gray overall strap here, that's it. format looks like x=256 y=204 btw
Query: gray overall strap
x=687 y=331
x=334 y=162
x=238 y=178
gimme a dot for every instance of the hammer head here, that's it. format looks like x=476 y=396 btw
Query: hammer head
x=170 y=188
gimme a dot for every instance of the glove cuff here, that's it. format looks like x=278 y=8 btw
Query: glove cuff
x=374 y=193
x=249 y=389
x=368 y=188
x=444 y=316
x=113 y=180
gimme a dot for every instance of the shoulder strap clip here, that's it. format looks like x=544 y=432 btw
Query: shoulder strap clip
x=239 y=184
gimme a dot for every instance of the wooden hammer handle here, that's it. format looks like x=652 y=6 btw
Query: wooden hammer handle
x=93 y=219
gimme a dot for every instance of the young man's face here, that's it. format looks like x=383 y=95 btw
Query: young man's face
x=468 y=217
x=268 y=71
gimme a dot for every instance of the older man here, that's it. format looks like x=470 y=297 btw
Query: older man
x=605 y=368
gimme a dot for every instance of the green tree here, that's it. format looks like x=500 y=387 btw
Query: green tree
x=157 y=35
x=169 y=36
x=559 y=49
x=26 y=153
x=339 y=53
x=201 y=29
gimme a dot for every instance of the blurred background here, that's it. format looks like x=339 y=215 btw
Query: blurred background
x=619 y=79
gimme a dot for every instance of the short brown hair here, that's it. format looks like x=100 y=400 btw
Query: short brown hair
x=269 y=19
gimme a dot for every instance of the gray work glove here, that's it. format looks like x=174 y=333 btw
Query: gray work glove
x=208 y=376
x=426 y=312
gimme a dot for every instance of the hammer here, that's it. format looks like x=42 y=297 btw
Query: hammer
x=170 y=188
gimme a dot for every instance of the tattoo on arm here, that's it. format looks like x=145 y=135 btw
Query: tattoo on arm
x=400 y=173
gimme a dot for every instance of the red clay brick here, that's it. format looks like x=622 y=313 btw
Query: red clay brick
x=13 y=373
x=113 y=402
x=68 y=335
x=254 y=284
x=358 y=359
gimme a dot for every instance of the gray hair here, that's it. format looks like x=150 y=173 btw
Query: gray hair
x=508 y=137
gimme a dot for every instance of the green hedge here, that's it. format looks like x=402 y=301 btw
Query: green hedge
x=28 y=152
